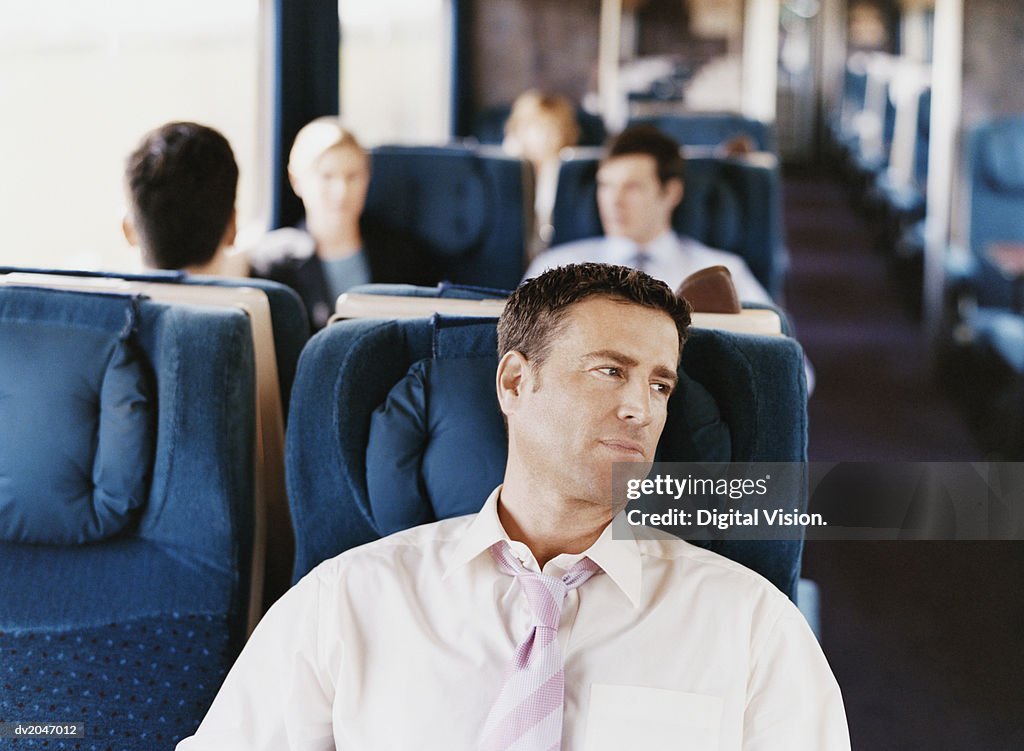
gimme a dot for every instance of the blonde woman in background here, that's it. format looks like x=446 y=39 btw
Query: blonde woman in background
x=333 y=248
x=538 y=128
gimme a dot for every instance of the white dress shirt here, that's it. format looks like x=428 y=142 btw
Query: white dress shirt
x=403 y=644
x=670 y=257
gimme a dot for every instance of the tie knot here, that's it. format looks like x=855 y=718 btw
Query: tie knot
x=640 y=259
x=546 y=594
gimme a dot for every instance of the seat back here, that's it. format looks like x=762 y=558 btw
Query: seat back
x=995 y=176
x=711 y=128
x=168 y=583
x=288 y=316
x=732 y=204
x=489 y=126
x=471 y=211
x=400 y=301
x=395 y=423
x=272 y=537
x=196 y=520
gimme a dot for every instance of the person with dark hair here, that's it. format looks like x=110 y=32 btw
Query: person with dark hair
x=334 y=248
x=181 y=182
x=529 y=625
x=640 y=181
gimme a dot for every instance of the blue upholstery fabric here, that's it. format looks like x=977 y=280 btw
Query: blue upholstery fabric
x=137 y=685
x=73 y=374
x=489 y=126
x=711 y=128
x=995 y=178
x=192 y=543
x=135 y=632
x=287 y=313
x=731 y=203
x=418 y=449
x=468 y=209
x=350 y=368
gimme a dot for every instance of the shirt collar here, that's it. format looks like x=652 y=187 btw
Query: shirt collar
x=622 y=250
x=619 y=558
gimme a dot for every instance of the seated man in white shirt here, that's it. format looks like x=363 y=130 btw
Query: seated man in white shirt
x=411 y=641
x=639 y=184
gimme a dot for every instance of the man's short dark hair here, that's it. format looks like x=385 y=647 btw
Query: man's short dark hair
x=181 y=182
x=650 y=141
x=535 y=312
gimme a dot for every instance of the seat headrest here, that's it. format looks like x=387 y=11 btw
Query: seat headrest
x=1001 y=155
x=438 y=441
x=77 y=416
x=445 y=196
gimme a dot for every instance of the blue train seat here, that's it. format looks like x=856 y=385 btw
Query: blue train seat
x=388 y=415
x=843 y=125
x=489 y=126
x=711 y=128
x=471 y=211
x=279 y=327
x=287 y=313
x=730 y=203
x=995 y=181
x=127 y=557
x=900 y=190
x=988 y=304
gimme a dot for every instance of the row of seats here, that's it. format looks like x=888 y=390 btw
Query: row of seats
x=138 y=514
x=880 y=137
x=984 y=302
x=688 y=128
x=472 y=209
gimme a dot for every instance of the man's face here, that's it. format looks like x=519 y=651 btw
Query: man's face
x=334 y=189
x=632 y=201
x=600 y=397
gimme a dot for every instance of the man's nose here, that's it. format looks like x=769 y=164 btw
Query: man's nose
x=637 y=406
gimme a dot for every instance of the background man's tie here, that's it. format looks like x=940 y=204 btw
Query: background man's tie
x=528 y=713
x=641 y=259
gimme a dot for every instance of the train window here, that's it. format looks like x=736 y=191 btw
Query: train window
x=82 y=82
x=396 y=69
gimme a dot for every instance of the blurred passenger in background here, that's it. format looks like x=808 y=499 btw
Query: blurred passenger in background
x=640 y=181
x=537 y=130
x=334 y=248
x=181 y=182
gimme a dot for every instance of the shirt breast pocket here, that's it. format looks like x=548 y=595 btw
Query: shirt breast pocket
x=651 y=718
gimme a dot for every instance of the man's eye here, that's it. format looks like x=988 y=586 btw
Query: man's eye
x=610 y=371
x=662 y=388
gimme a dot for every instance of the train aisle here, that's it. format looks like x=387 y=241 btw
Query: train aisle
x=924 y=637
x=874 y=399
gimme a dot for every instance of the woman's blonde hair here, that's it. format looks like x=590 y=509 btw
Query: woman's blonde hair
x=316 y=138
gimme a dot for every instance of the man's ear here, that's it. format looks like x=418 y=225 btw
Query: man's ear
x=231 y=231
x=674 y=191
x=511 y=380
x=128 y=228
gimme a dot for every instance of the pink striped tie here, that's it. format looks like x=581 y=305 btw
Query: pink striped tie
x=528 y=713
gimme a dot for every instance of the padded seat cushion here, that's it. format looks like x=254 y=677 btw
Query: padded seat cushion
x=447 y=196
x=76 y=418
x=438 y=446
